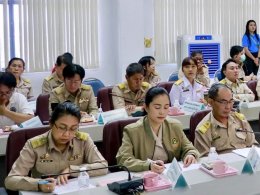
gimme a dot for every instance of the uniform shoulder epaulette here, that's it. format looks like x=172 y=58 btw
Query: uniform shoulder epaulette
x=121 y=85
x=86 y=87
x=199 y=82
x=178 y=82
x=240 y=116
x=204 y=127
x=26 y=80
x=223 y=81
x=39 y=141
x=81 y=135
x=145 y=84
x=58 y=90
x=48 y=78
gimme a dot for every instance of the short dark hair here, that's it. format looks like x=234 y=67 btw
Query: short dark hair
x=134 y=68
x=15 y=58
x=196 y=52
x=154 y=92
x=70 y=71
x=224 y=66
x=235 y=50
x=63 y=109
x=186 y=61
x=65 y=58
x=213 y=91
x=8 y=79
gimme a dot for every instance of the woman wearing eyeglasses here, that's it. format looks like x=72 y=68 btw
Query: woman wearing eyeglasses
x=63 y=149
x=240 y=90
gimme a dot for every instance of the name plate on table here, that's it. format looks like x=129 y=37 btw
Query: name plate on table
x=252 y=161
x=114 y=115
x=191 y=106
x=33 y=122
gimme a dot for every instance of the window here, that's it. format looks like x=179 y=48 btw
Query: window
x=40 y=30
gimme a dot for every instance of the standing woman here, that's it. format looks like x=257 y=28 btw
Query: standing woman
x=154 y=139
x=250 y=42
x=63 y=149
x=150 y=75
x=16 y=66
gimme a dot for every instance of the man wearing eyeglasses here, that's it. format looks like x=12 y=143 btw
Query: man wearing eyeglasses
x=222 y=128
x=14 y=108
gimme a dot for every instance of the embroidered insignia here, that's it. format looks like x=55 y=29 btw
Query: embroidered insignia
x=82 y=100
x=204 y=127
x=174 y=141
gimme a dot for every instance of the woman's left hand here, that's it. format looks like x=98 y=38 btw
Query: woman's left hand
x=63 y=179
x=189 y=159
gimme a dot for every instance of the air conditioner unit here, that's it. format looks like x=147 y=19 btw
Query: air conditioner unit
x=210 y=45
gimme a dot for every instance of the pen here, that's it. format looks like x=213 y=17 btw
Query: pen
x=156 y=162
x=41 y=182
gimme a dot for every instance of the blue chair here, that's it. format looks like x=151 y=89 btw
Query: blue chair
x=218 y=75
x=173 y=77
x=96 y=84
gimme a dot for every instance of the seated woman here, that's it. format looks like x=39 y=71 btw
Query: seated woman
x=187 y=87
x=150 y=75
x=16 y=67
x=63 y=149
x=240 y=90
x=154 y=139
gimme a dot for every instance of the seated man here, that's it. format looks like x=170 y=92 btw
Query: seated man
x=74 y=91
x=222 y=128
x=56 y=78
x=132 y=92
x=203 y=70
x=14 y=108
x=240 y=90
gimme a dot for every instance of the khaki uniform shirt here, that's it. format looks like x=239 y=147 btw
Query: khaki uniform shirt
x=24 y=87
x=85 y=98
x=201 y=77
x=138 y=144
x=41 y=157
x=183 y=90
x=240 y=90
x=211 y=133
x=123 y=96
x=152 y=79
x=258 y=89
x=50 y=83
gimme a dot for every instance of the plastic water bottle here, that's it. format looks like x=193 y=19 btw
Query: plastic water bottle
x=99 y=116
x=213 y=155
x=83 y=178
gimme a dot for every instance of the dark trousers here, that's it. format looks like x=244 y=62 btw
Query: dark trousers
x=249 y=65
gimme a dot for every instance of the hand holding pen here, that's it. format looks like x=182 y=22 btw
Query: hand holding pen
x=156 y=166
x=47 y=185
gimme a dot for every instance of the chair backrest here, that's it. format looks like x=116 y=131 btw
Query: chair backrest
x=42 y=108
x=195 y=119
x=104 y=98
x=252 y=85
x=166 y=85
x=96 y=84
x=112 y=138
x=16 y=142
x=218 y=75
x=173 y=77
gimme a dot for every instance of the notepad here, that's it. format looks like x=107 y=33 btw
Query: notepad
x=244 y=151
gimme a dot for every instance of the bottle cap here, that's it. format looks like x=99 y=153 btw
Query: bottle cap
x=82 y=168
x=212 y=149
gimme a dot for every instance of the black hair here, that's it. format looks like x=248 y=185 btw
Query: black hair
x=187 y=61
x=134 y=68
x=65 y=108
x=154 y=92
x=247 y=33
x=224 y=67
x=70 y=71
x=146 y=60
x=235 y=50
x=196 y=52
x=15 y=58
x=65 y=58
x=8 y=79
x=213 y=91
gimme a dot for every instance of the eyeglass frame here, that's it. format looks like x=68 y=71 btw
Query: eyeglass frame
x=65 y=129
x=225 y=102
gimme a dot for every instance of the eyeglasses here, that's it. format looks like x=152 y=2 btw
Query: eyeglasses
x=8 y=94
x=225 y=102
x=64 y=129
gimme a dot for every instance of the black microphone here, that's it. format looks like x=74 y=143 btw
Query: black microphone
x=242 y=130
x=119 y=187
